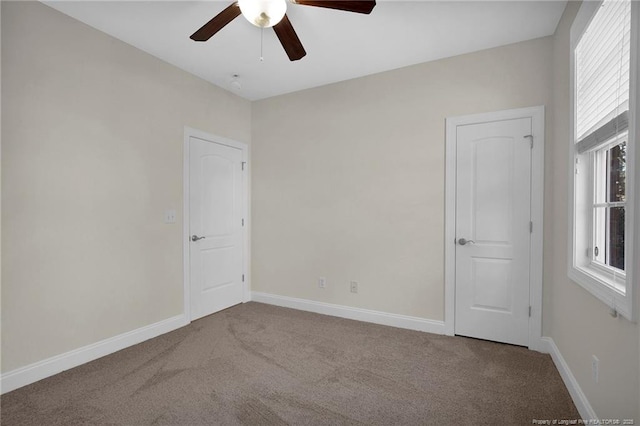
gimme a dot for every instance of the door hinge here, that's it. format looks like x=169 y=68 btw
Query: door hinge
x=242 y=221
x=243 y=281
x=243 y=163
x=531 y=138
x=529 y=311
x=530 y=227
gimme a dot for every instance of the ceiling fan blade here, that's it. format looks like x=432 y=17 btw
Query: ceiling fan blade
x=289 y=39
x=358 y=6
x=217 y=23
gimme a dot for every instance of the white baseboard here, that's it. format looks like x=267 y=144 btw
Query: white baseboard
x=42 y=369
x=366 y=315
x=579 y=398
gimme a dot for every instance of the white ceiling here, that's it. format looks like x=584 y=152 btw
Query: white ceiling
x=339 y=45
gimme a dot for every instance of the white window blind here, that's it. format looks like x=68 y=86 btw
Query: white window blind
x=602 y=59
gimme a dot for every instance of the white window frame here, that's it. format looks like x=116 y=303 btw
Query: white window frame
x=596 y=278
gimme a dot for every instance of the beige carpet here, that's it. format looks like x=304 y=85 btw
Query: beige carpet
x=257 y=364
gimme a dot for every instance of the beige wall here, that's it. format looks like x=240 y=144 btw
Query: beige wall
x=348 y=179
x=91 y=158
x=580 y=324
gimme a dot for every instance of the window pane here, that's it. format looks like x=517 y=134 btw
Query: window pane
x=616 y=237
x=600 y=176
x=600 y=234
x=616 y=167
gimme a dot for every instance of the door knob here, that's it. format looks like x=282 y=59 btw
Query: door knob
x=195 y=238
x=464 y=241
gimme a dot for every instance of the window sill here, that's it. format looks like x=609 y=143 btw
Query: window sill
x=600 y=285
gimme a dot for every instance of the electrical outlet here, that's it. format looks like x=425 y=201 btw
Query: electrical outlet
x=354 y=286
x=322 y=282
x=595 y=367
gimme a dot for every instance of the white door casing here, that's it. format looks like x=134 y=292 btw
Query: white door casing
x=493 y=214
x=214 y=232
x=494 y=183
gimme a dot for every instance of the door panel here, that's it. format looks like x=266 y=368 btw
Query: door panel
x=217 y=267
x=493 y=186
x=215 y=208
x=491 y=210
x=490 y=279
x=217 y=213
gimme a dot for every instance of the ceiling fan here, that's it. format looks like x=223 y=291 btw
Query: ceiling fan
x=272 y=13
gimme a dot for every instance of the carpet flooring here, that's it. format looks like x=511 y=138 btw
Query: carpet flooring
x=256 y=364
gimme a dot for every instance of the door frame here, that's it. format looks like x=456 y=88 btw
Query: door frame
x=246 y=209
x=537 y=213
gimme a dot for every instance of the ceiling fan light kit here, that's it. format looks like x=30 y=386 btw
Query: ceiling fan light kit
x=272 y=13
x=263 y=13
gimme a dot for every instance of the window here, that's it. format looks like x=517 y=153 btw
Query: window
x=601 y=150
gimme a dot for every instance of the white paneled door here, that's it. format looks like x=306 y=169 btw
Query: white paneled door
x=216 y=226
x=493 y=214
